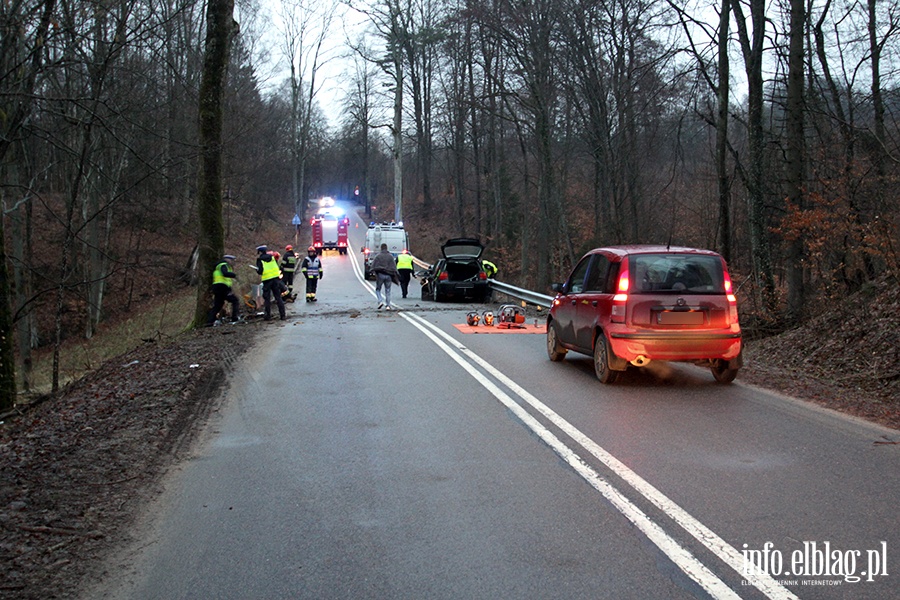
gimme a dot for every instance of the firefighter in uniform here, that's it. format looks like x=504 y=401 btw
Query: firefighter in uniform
x=405 y=269
x=222 y=280
x=288 y=266
x=270 y=276
x=311 y=267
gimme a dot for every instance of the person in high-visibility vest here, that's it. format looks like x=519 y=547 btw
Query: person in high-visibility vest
x=405 y=269
x=490 y=269
x=311 y=267
x=222 y=280
x=270 y=276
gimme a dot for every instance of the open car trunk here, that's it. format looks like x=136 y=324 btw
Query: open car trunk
x=462 y=271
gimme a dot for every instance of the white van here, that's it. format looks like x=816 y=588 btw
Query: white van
x=393 y=235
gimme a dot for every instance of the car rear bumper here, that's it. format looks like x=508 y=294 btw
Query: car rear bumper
x=463 y=290
x=678 y=346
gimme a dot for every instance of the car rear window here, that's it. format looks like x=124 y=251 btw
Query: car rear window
x=676 y=274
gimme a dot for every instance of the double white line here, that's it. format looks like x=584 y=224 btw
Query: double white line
x=681 y=556
x=677 y=553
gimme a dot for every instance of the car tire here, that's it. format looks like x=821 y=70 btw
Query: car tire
x=554 y=349
x=601 y=361
x=722 y=373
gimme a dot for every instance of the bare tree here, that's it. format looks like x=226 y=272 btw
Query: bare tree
x=22 y=56
x=527 y=32
x=795 y=164
x=220 y=27
x=361 y=110
x=307 y=27
x=752 y=47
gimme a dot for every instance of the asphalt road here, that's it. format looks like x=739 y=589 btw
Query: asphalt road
x=368 y=454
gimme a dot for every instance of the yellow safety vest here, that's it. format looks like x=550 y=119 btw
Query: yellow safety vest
x=270 y=270
x=218 y=278
x=404 y=261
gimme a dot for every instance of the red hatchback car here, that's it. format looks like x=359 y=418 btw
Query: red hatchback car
x=629 y=305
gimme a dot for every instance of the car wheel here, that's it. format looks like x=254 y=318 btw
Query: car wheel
x=601 y=361
x=722 y=373
x=554 y=349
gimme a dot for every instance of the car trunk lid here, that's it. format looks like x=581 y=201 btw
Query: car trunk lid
x=461 y=248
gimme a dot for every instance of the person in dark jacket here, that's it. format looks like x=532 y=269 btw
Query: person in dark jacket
x=288 y=266
x=270 y=276
x=222 y=282
x=385 y=270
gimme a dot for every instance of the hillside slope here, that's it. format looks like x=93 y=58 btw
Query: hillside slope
x=847 y=359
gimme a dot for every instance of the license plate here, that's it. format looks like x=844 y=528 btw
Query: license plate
x=669 y=317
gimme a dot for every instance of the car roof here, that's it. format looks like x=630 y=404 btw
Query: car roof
x=625 y=250
x=462 y=248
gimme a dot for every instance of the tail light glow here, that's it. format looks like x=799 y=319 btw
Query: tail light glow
x=732 y=299
x=617 y=314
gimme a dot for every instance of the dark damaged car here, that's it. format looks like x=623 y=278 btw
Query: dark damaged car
x=459 y=275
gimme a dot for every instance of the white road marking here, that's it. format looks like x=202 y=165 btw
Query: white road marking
x=679 y=555
x=682 y=557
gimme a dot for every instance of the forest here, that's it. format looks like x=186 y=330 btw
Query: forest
x=767 y=131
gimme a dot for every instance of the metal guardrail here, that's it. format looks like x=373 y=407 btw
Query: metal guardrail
x=527 y=295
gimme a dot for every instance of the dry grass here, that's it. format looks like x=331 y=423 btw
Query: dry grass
x=158 y=321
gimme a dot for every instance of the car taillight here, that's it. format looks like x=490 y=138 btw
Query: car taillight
x=443 y=276
x=617 y=315
x=482 y=276
x=732 y=300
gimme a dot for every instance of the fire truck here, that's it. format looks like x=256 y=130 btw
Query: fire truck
x=329 y=232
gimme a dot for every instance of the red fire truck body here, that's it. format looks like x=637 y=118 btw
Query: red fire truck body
x=329 y=232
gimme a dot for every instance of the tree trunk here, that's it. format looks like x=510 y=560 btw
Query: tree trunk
x=397 y=149
x=20 y=235
x=881 y=154
x=753 y=59
x=15 y=114
x=220 y=29
x=722 y=135
x=794 y=165
x=7 y=354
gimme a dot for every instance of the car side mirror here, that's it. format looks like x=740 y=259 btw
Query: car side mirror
x=559 y=288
